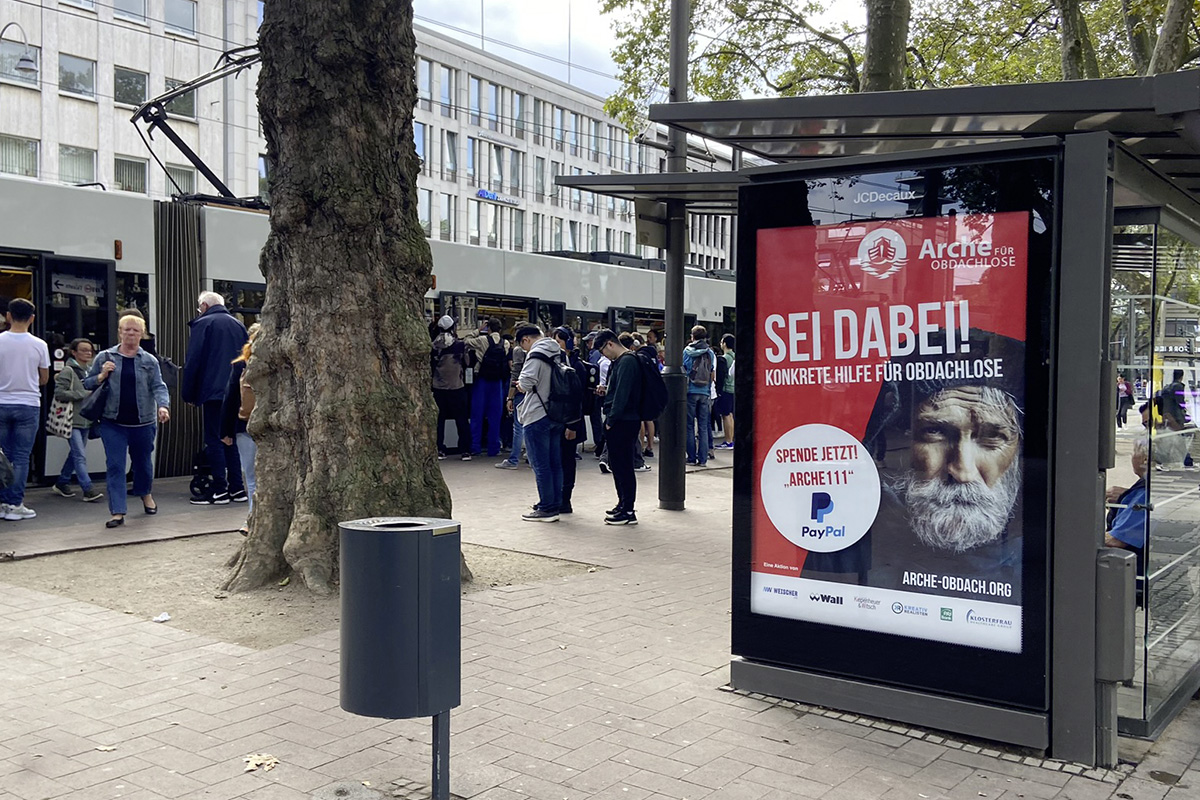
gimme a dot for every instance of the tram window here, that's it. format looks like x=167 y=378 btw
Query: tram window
x=133 y=291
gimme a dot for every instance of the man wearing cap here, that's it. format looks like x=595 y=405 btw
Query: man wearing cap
x=448 y=364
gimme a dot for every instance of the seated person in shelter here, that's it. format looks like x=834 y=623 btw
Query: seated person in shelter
x=1127 y=525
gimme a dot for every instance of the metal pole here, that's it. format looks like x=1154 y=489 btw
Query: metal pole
x=672 y=483
x=441 y=756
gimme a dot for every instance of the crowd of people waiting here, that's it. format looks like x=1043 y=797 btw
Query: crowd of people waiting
x=493 y=386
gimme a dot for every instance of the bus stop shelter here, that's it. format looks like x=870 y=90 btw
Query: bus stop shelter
x=937 y=291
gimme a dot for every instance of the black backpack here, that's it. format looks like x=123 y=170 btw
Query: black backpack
x=493 y=366
x=653 y=401
x=564 y=404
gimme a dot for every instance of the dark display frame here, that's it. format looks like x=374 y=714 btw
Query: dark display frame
x=1019 y=681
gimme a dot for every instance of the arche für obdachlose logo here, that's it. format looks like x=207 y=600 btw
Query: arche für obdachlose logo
x=882 y=252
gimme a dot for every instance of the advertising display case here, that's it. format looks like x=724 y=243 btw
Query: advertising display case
x=891 y=524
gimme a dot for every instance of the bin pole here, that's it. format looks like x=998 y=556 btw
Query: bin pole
x=441 y=756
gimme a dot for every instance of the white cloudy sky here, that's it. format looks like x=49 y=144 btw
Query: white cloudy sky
x=541 y=26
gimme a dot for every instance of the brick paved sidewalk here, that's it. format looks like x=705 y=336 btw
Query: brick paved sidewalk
x=602 y=685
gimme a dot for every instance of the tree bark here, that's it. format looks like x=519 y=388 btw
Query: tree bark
x=886 y=45
x=1078 y=52
x=344 y=415
x=1172 y=37
x=1140 y=44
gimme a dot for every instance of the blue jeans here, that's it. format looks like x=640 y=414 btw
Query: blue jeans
x=699 y=426
x=223 y=462
x=18 y=427
x=247 y=450
x=76 y=463
x=487 y=400
x=514 y=457
x=138 y=441
x=544 y=445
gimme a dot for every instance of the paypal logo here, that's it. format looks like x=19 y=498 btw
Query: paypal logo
x=822 y=506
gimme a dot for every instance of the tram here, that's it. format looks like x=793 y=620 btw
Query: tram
x=82 y=254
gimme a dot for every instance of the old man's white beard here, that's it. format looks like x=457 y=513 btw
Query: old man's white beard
x=960 y=516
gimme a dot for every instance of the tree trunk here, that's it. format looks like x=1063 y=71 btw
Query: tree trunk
x=1078 y=53
x=344 y=415
x=1172 y=37
x=887 y=42
x=1140 y=44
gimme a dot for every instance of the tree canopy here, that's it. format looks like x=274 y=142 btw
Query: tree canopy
x=779 y=48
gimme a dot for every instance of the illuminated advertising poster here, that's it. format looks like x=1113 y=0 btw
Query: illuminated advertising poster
x=888 y=413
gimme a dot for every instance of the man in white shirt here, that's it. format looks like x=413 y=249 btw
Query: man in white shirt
x=24 y=369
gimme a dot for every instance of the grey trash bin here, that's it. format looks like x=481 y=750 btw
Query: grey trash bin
x=401 y=616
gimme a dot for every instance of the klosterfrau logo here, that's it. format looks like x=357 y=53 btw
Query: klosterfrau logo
x=822 y=506
x=882 y=252
x=991 y=622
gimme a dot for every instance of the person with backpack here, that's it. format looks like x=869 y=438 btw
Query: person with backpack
x=448 y=365
x=512 y=404
x=543 y=431
x=487 y=395
x=724 y=405
x=575 y=432
x=700 y=364
x=649 y=350
x=623 y=410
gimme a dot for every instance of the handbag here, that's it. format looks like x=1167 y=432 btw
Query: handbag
x=92 y=407
x=58 y=421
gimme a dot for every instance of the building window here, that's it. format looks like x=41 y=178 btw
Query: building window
x=182 y=106
x=591 y=201
x=473 y=209
x=555 y=189
x=450 y=156
x=593 y=237
x=493 y=224
x=184 y=177
x=425 y=210
x=472 y=157
x=556 y=240
x=129 y=86
x=610 y=239
x=76 y=165
x=10 y=53
x=180 y=16
x=558 y=128
x=539 y=119
x=497 y=171
x=539 y=177
x=535 y=241
x=129 y=175
x=626 y=242
x=82 y=3
x=448 y=216
x=446 y=81
x=514 y=172
x=19 y=156
x=518 y=112
x=473 y=99
x=576 y=197
x=573 y=133
x=130 y=9
x=76 y=75
x=493 y=113
x=263 y=191
x=517 y=237
x=597 y=139
x=573 y=234
x=421 y=140
x=425 y=83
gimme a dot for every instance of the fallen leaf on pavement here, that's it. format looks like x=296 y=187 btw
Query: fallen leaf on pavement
x=267 y=762
x=105 y=748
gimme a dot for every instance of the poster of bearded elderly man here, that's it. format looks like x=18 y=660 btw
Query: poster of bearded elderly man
x=949 y=520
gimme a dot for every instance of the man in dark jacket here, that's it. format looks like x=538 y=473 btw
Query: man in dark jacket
x=573 y=432
x=216 y=339
x=622 y=420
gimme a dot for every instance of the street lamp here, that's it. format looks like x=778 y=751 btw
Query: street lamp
x=25 y=64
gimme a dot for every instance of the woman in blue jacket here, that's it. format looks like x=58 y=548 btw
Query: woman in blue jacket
x=137 y=401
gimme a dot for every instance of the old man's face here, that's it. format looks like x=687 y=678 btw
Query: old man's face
x=965 y=475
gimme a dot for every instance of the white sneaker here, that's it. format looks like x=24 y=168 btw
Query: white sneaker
x=19 y=512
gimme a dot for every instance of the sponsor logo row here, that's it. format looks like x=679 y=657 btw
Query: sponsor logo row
x=867 y=603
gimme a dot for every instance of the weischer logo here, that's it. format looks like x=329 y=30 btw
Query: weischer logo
x=882 y=252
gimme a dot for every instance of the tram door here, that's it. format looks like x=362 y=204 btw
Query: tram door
x=76 y=298
x=509 y=310
x=551 y=315
x=621 y=319
x=461 y=308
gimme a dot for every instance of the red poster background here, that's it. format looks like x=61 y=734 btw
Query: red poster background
x=817 y=268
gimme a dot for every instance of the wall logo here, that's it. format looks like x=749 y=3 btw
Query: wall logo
x=827 y=598
x=822 y=506
x=882 y=252
x=948 y=614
